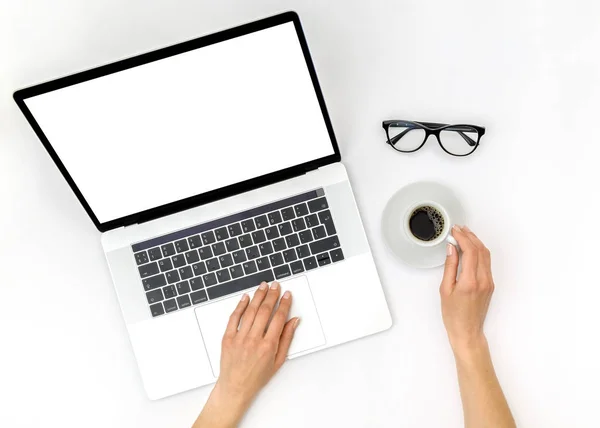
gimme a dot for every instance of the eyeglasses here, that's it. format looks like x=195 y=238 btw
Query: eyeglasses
x=456 y=140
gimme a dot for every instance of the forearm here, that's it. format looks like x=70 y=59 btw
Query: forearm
x=222 y=410
x=484 y=404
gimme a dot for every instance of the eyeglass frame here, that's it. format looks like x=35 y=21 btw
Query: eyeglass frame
x=432 y=129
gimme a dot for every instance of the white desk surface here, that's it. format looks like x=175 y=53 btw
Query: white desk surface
x=527 y=70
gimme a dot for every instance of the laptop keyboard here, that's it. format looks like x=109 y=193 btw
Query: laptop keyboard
x=224 y=256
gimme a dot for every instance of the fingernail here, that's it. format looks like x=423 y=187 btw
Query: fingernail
x=466 y=229
x=287 y=295
x=263 y=286
x=274 y=285
x=244 y=297
x=296 y=323
x=449 y=249
x=456 y=227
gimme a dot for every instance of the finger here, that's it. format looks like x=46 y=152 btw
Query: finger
x=450 y=270
x=265 y=311
x=250 y=313
x=284 y=342
x=470 y=252
x=236 y=316
x=485 y=259
x=278 y=322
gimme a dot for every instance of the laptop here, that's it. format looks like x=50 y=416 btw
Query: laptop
x=208 y=167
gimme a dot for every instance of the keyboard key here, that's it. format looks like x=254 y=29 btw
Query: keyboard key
x=301 y=209
x=312 y=220
x=327 y=221
x=192 y=256
x=208 y=237
x=248 y=225
x=240 y=284
x=199 y=268
x=141 y=258
x=181 y=245
x=213 y=265
x=265 y=248
x=154 y=254
x=303 y=251
x=184 y=301
x=209 y=279
x=263 y=263
x=282 y=271
x=245 y=240
x=289 y=255
x=252 y=252
x=306 y=236
x=172 y=276
x=310 y=263
x=170 y=305
x=323 y=259
x=199 y=297
x=275 y=217
x=218 y=248
x=239 y=256
x=259 y=236
x=154 y=282
x=272 y=232
x=221 y=233
x=249 y=267
x=186 y=272
x=317 y=205
x=298 y=224
x=276 y=259
x=337 y=255
x=234 y=229
x=178 y=260
x=292 y=240
x=149 y=269
x=236 y=271
x=169 y=291
x=279 y=244
x=285 y=228
x=154 y=296
x=165 y=264
x=232 y=244
x=323 y=245
x=183 y=287
x=223 y=275
x=297 y=267
x=288 y=214
x=261 y=221
x=195 y=241
x=168 y=250
x=157 y=309
x=205 y=253
x=319 y=232
x=196 y=283
x=226 y=260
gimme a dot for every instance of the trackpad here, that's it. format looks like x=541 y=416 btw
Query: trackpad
x=213 y=319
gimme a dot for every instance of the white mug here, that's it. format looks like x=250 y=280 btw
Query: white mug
x=445 y=236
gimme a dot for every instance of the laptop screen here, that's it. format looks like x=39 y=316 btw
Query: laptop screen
x=186 y=124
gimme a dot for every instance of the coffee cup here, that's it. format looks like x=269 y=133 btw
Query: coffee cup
x=427 y=224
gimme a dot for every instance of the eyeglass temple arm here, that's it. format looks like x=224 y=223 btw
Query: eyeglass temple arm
x=468 y=139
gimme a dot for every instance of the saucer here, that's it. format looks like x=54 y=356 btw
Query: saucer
x=393 y=230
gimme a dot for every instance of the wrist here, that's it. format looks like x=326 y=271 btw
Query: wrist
x=469 y=349
x=224 y=408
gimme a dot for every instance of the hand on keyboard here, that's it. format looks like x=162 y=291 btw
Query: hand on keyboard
x=251 y=354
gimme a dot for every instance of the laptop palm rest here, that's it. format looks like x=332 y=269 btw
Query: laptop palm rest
x=213 y=320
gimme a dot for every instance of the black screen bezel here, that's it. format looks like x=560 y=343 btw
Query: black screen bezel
x=21 y=95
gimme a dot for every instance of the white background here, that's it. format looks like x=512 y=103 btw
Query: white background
x=188 y=124
x=526 y=69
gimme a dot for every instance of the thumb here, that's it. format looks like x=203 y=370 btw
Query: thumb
x=450 y=270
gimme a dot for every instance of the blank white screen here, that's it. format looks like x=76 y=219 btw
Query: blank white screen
x=188 y=124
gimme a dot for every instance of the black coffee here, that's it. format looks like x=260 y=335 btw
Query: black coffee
x=426 y=223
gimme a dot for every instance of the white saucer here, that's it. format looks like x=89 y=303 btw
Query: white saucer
x=393 y=230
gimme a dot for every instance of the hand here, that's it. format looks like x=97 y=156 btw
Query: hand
x=465 y=300
x=252 y=351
